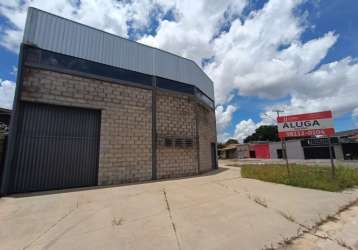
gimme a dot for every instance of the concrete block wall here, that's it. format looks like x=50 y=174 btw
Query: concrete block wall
x=241 y=152
x=207 y=135
x=125 y=153
x=176 y=119
x=126 y=119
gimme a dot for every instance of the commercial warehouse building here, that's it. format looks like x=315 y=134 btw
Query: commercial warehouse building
x=315 y=148
x=294 y=150
x=258 y=150
x=234 y=151
x=92 y=108
x=344 y=147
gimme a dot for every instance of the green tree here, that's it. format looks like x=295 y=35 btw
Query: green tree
x=264 y=133
x=231 y=141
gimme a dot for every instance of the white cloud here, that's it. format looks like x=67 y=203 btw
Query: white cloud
x=249 y=58
x=355 y=116
x=109 y=15
x=7 y=91
x=223 y=119
x=259 y=57
x=331 y=87
x=247 y=127
x=244 y=128
x=13 y=70
x=224 y=116
x=196 y=24
x=224 y=137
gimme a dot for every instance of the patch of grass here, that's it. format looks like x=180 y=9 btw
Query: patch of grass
x=316 y=177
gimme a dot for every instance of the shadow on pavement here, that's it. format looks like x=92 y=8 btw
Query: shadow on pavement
x=77 y=189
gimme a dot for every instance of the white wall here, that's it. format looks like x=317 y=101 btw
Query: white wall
x=294 y=149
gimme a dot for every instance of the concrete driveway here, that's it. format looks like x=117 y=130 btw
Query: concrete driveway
x=219 y=210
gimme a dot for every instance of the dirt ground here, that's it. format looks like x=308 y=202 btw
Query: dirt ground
x=338 y=232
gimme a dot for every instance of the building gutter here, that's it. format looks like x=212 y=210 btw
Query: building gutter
x=154 y=128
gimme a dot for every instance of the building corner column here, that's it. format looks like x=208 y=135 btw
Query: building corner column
x=154 y=128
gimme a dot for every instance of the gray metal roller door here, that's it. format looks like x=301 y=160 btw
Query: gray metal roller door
x=56 y=147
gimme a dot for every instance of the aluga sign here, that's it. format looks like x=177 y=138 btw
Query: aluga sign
x=306 y=125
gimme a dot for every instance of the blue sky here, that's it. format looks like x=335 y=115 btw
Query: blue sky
x=296 y=55
x=324 y=16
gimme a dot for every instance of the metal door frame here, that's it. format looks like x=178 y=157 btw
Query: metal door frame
x=21 y=104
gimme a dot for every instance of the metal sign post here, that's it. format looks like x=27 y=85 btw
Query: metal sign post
x=307 y=125
x=283 y=146
x=284 y=152
x=331 y=157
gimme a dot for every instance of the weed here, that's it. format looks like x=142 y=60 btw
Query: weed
x=344 y=244
x=332 y=218
x=260 y=201
x=287 y=216
x=249 y=196
x=117 y=222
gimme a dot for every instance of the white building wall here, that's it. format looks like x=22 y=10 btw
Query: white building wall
x=338 y=151
x=294 y=149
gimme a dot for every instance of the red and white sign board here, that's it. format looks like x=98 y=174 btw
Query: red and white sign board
x=306 y=125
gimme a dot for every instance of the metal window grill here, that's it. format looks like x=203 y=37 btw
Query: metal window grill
x=188 y=143
x=166 y=141
x=179 y=142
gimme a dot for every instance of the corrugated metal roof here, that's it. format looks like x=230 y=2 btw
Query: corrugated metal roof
x=346 y=133
x=57 y=34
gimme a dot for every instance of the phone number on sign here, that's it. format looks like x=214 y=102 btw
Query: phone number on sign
x=305 y=133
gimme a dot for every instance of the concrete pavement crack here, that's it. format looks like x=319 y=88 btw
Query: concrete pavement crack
x=171 y=219
x=227 y=187
x=307 y=229
x=51 y=227
x=342 y=244
x=312 y=230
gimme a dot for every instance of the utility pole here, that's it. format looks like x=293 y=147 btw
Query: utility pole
x=331 y=157
x=283 y=144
